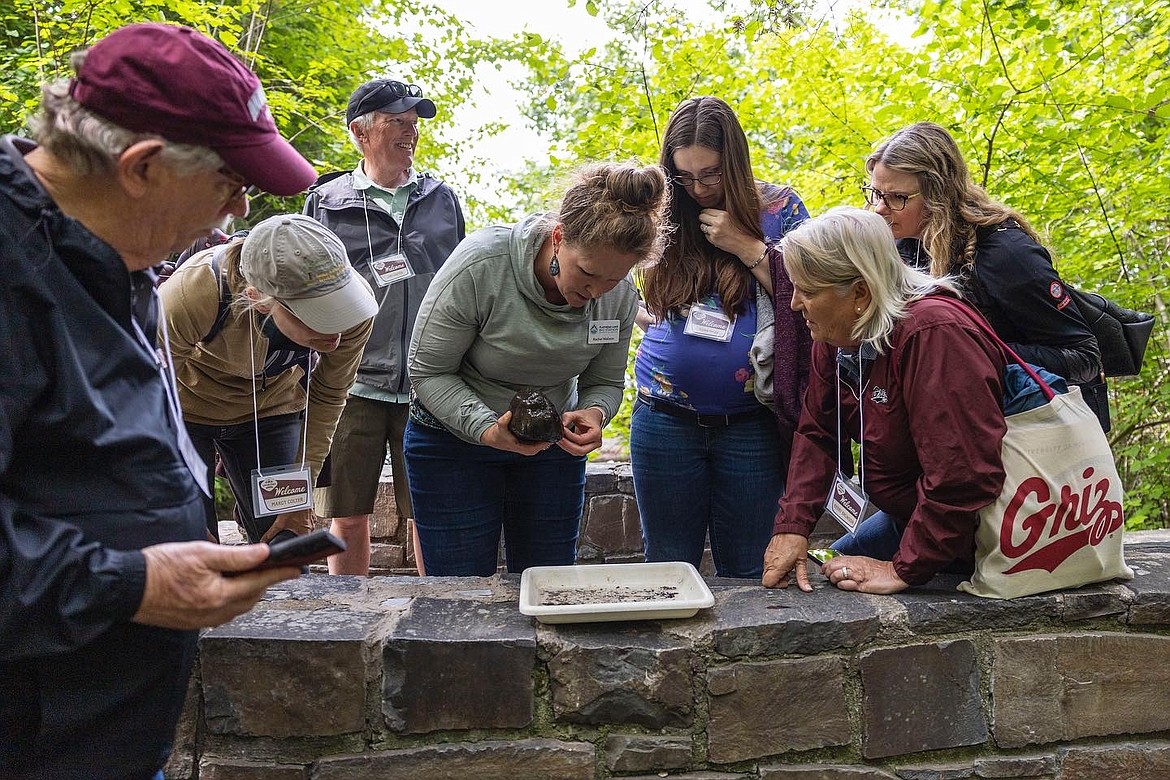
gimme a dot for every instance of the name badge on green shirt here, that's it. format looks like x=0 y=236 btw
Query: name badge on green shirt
x=604 y=331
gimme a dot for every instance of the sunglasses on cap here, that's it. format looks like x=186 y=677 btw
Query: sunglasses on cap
x=376 y=96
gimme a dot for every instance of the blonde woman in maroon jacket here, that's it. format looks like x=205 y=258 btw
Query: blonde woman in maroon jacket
x=900 y=367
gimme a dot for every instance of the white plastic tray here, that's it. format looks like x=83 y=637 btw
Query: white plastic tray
x=620 y=591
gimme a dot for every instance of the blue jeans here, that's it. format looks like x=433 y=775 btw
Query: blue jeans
x=877 y=536
x=466 y=494
x=280 y=440
x=690 y=480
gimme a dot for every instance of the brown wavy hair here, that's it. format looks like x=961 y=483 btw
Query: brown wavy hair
x=691 y=266
x=620 y=206
x=956 y=207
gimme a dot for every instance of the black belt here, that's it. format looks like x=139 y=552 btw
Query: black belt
x=701 y=420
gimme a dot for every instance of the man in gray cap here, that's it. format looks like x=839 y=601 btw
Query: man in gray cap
x=399 y=226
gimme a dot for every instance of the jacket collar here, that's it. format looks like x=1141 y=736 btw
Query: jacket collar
x=93 y=263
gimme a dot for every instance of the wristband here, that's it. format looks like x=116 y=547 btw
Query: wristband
x=759 y=259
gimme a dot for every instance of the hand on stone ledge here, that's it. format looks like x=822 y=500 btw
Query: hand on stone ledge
x=864 y=575
x=784 y=553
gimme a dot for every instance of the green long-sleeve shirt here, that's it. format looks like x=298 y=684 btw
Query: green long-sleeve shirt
x=485 y=331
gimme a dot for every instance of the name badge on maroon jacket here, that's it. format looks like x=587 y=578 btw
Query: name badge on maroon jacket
x=281 y=489
x=848 y=503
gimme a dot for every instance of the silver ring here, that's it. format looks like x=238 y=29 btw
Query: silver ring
x=705 y=227
x=845 y=572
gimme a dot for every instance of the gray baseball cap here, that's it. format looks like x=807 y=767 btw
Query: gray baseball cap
x=303 y=264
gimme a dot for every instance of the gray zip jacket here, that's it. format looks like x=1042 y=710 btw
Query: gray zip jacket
x=486 y=331
x=432 y=227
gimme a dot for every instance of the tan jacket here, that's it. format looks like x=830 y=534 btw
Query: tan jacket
x=215 y=384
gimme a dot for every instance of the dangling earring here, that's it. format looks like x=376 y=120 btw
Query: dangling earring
x=554 y=266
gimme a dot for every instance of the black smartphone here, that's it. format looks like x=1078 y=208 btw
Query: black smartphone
x=298 y=551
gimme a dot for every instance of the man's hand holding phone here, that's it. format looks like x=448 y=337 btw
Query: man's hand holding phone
x=298 y=551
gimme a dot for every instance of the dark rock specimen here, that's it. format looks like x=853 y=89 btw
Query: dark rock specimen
x=534 y=418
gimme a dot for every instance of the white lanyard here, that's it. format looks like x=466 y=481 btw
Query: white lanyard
x=847 y=503
x=369 y=236
x=389 y=269
x=255 y=404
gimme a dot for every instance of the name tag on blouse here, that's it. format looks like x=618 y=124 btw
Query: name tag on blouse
x=707 y=322
x=604 y=331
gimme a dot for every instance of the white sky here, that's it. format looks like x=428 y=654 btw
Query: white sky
x=577 y=31
x=496 y=99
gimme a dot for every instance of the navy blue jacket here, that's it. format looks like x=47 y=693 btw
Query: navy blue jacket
x=90 y=473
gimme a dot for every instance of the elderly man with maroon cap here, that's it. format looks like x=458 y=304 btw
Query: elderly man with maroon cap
x=398 y=226
x=102 y=584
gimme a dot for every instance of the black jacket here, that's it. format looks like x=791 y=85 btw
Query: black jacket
x=432 y=226
x=1018 y=291
x=90 y=473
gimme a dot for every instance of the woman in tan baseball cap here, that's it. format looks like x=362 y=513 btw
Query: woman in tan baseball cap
x=265 y=333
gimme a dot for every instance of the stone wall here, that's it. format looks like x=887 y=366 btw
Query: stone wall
x=347 y=678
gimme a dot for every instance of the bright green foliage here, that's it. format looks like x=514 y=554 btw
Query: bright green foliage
x=309 y=54
x=1062 y=110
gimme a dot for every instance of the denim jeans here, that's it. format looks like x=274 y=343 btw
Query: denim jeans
x=690 y=480
x=877 y=536
x=466 y=494
x=280 y=441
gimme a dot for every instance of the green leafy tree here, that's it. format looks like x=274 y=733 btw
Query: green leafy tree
x=1061 y=109
x=309 y=56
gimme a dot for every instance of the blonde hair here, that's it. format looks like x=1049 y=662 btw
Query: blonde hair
x=955 y=205
x=845 y=245
x=616 y=206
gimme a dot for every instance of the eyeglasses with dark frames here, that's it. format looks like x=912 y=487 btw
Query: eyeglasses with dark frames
x=707 y=179
x=895 y=201
x=396 y=89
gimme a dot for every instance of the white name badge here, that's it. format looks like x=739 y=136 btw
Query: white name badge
x=604 y=331
x=390 y=269
x=281 y=489
x=707 y=322
x=847 y=503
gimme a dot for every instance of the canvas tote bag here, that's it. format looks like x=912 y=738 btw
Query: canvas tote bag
x=1058 y=521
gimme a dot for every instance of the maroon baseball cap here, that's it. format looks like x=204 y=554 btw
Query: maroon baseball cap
x=186 y=87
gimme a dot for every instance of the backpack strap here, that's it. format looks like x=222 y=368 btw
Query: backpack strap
x=225 y=295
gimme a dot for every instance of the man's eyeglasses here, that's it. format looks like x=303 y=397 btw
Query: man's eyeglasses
x=239 y=184
x=707 y=179
x=895 y=201
x=376 y=96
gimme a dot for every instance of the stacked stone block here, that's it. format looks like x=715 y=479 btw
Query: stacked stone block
x=345 y=678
